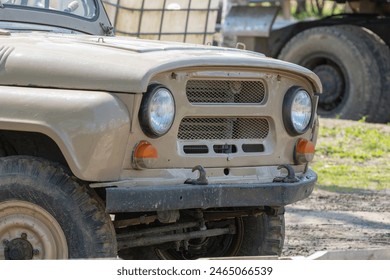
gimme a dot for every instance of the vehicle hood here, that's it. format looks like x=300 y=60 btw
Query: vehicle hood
x=116 y=64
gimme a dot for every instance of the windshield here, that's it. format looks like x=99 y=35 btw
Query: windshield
x=82 y=8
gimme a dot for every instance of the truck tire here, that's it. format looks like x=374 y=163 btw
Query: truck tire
x=381 y=52
x=46 y=214
x=346 y=66
x=255 y=236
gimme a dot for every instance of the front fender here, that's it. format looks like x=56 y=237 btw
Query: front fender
x=91 y=128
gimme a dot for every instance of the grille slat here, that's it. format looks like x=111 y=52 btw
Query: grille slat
x=225 y=91
x=223 y=128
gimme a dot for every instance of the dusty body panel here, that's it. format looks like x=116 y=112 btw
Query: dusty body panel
x=90 y=128
x=119 y=64
x=278 y=144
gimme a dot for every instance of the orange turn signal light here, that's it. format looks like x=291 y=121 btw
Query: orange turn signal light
x=304 y=151
x=144 y=155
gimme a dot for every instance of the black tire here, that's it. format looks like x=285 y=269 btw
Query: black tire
x=262 y=235
x=379 y=112
x=37 y=196
x=346 y=66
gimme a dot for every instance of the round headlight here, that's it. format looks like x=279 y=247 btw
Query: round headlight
x=157 y=111
x=297 y=111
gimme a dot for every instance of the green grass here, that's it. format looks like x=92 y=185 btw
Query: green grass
x=328 y=8
x=353 y=156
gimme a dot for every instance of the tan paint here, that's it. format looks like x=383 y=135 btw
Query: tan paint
x=279 y=145
x=97 y=131
x=115 y=64
x=90 y=128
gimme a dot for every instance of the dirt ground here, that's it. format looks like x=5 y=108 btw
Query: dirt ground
x=338 y=221
x=329 y=220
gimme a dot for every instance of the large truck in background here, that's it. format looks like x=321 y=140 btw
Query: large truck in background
x=349 y=51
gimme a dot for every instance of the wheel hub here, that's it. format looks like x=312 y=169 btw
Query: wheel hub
x=332 y=81
x=27 y=231
x=18 y=249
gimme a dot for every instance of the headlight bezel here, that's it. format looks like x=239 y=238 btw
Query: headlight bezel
x=145 y=112
x=287 y=112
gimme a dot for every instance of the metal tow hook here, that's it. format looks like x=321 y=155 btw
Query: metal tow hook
x=290 y=178
x=202 y=180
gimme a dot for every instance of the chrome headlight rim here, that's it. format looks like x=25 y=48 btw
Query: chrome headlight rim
x=288 y=104
x=146 y=114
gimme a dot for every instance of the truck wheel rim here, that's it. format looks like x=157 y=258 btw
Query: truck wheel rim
x=27 y=231
x=334 y=79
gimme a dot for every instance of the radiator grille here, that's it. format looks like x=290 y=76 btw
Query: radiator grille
x=225 y=91
x=223 y=128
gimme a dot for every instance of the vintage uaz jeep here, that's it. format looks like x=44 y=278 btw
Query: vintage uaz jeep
x=119 y=146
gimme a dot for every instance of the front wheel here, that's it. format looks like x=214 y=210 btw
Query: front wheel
x=46 y=214
x=28 y=231
x=263 y=235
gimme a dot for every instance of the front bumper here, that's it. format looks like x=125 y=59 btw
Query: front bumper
x=185 y=196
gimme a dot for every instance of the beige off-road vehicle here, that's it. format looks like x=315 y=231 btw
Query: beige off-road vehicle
x=118 y=146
